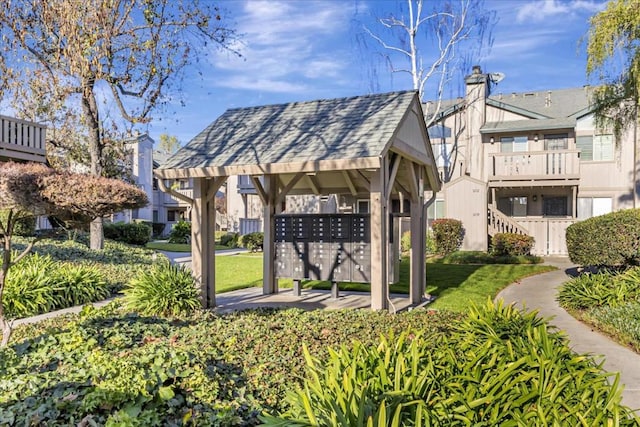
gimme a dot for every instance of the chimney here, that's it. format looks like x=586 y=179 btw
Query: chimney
x=547 y=100
x=476 y=69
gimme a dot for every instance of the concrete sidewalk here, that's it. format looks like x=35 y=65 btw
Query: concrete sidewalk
x=539 y=293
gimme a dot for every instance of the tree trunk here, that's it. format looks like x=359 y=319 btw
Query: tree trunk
x=96 y=235
x=91 y=118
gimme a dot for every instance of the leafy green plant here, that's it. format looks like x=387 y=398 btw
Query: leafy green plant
x=500 y=366
x=511 y=244
x=29 y=288
x=597 y=290
x=448 y=235
x=606 y=240
x=163 y=290
x=253 y=241
x=79 y=284
x=180 y=232
x=230 y=240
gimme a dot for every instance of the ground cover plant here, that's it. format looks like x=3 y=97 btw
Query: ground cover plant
x=496 y=367
x=608 y=301
x=107 y=366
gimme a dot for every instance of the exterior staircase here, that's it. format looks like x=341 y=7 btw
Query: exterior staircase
x=500 y=223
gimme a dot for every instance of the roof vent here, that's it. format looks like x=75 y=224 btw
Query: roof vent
x=547 y=100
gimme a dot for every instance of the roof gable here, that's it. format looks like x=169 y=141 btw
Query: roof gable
x=343 y=128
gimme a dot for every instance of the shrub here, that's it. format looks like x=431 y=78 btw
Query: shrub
x=79 y=284
x=253 y=241
x=600 y=290
x=607 y=240
x=499 y=367
x=218 y=235
x=430 y=244
x=230 y=240
x=38 y=284
x=180 y=232
x=163 y=290
x=448 y=234
x=134 y=233
x=25 y=227
x=511 y=244
x=157 y=229
x=29 y=289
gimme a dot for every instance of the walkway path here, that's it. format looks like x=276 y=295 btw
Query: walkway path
x=539 y=293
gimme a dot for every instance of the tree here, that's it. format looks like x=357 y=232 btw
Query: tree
x=613 y=57
x=435 y=43
x=168 y=143
x=95 y=55
x=29 y=190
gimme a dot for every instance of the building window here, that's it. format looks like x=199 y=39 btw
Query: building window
x=595 y=147
x=593 y=206
x=442 y=154
x=558 y=141
x=362 y=206
x=513 y=206
x=555 y=206
x=156 y=216
x=185 y=184
x=513 y=144
x=155 y=183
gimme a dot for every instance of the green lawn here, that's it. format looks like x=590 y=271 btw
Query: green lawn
x=176 y=247
x=455 y=286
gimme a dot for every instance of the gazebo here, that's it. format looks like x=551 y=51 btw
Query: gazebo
x=374 y=144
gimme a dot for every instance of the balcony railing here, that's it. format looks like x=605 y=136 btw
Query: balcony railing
x=168 y=199
x=553 y=164
x=22 y=140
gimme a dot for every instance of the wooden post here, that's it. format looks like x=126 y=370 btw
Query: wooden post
x=379 y=238
x=202 y=247
x=269 y=283
x=418 y=234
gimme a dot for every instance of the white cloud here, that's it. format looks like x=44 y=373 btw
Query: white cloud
x=540 y=10
x=284 y=42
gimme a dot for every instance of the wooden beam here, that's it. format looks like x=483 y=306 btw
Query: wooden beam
x=379 y=239
x=271 y=168
x=350 y=184
x=313 y=183
x=258 y=185
x=392 y=175
x=413 y=181
x=173 y=193
x=269 y=282
x=203 y=219
x=283 y=193
x=214 y=186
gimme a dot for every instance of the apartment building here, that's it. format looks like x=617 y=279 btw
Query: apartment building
x=531 y=162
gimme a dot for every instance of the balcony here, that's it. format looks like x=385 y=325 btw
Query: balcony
x=21 y=140
x=245 y=185
x=537 y=168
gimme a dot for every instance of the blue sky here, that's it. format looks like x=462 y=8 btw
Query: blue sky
x=303 y=50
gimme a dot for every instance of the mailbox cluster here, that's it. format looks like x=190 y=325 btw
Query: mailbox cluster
x=332 y=247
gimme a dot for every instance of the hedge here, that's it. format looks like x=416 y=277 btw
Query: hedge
x=448 y=234
x=135 y=233
x=607 y=240
x=511 y=244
